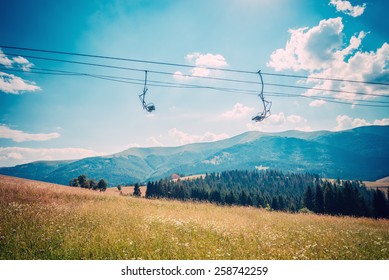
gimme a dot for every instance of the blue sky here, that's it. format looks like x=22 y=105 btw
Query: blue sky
x=47 y=117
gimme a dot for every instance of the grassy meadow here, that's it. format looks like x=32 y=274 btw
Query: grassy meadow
x=46 y=221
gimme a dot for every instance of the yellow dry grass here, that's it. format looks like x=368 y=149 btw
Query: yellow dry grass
x=47 y=221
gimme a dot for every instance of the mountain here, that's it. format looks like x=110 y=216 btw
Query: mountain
x=359 y=153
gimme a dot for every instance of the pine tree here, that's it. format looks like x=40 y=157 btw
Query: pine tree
x=137 y=191
x=379 y=204
x=329 y=199
x=319 y=200
x=243 y=198
x=308 y=199
x=274 y=203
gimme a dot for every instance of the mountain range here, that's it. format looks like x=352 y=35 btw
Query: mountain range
x=360 y=153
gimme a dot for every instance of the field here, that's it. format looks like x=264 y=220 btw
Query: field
x=47 y=221
x=382 y=184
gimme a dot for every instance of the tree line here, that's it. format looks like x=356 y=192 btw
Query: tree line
x=82 y=181
x=276 y=190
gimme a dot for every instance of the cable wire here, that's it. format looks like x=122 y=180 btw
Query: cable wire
x=196 y=76
x=192 y=86
x=191 y=66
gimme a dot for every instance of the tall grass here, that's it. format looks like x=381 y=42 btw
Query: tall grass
x=45 y=221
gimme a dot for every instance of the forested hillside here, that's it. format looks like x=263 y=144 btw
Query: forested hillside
x=278 y=191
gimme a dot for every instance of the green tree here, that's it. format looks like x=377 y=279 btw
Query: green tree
x=319 y=199
x=102 y=185
x=74 y=183
x=82 y=179
x=274 y=203
x=308 y=198
x=93 y=185
x=379 y=204
x=243 y=198
x=329 y=199
x=137 y=191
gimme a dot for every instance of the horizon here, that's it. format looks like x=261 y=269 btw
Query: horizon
x=71 y=79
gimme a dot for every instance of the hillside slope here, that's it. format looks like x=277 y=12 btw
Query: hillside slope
x=49 y=222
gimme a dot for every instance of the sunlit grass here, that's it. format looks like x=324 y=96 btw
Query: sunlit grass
x=43 y=221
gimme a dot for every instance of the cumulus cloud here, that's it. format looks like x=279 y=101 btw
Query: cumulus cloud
x=23 y=63
x=346 y=122
x=17 y=62
x=295 y=119
x=20 y=136
x=13 y=84
x=183 y=138
x=317 y=103
x=347 y=8
x=10 y=83
x=201 y=61
x=4 y=60
x=320 y=50
x=237 y=112
x=10 y=156
x=280 y=122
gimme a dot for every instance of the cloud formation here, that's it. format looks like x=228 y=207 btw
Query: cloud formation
x=320 y=51
x=10 y=83
x=346 y=122
x=13 y=84
x=280 y=122
x=238 y=111
x=200 y=61
x=347 y=8
x=183 y=138
x=317 y=103
x=20 y=136
x=10 y=156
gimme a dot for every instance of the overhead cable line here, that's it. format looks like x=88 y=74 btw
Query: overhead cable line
x=192 y=86
x=192 y=66
x=195 y=76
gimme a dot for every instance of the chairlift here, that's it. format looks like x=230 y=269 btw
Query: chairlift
x=266 y=104
x=149 y=107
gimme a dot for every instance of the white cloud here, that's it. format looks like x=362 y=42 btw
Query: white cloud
x=201 y=61
x=307 y=48
x=183 y=138
x=320 y=51
x=237 y=112
x=13 y=84
x=207 y=60
x=317 y=103
x=10 y=156
x=384 y=121
x=155 y=141
x=18 y=61
x=347 y=8
x=20 y=136
x=23 y=63
x=280 y=122
x=346 y=122
x=4 y=60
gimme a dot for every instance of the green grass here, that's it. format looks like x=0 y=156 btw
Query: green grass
x=43 y=221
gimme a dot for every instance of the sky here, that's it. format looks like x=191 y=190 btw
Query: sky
x=52 y=109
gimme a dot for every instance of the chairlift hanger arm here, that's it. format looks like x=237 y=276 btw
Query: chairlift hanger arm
x=148 y=107
x=266 y=104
